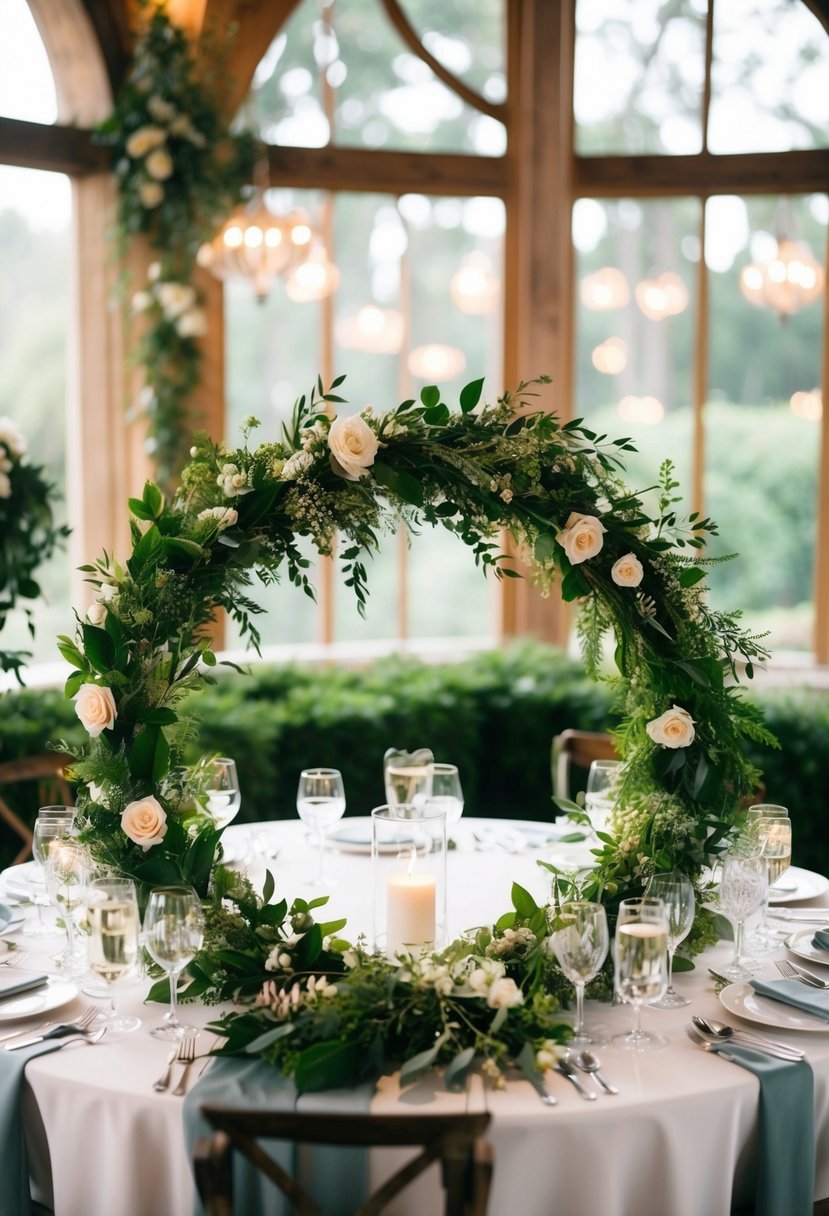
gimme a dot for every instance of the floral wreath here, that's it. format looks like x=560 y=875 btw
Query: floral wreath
x=179 y=172
x=475 y=470
x=28 y=535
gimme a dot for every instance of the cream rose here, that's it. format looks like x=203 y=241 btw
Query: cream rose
x=628 y=571
x=95 y=706
x=192 y=324
x=144 y=140
x=151 y=194
x=674 y=728
x=144 y=822
x=96 y=614
x=353 y=446
x=504 y=994
x=582 y=537
x=159 y=165
x=5 y=486
x=175 y=298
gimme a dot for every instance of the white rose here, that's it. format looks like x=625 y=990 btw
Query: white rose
x=144 y=140
x=490 y=972
x=175 y=299
x=161 y=110
x=296 y=465
x=628 y=571
x=504 y=994
x=154 y=271
x=225 y=517
x=141 y=301
x=674 y=728
x=144 y=822
x=96 y=613
x=159 y=165
x=95 y=706
x=353 y=446
x=581 y=537
x=192 y=324
x=151 y=194
x=5 y=486
x=11 y=437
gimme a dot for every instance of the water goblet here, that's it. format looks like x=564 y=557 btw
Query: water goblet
x=173 y=933
x=51 y=824
x=743 y=888
x=641 y=964
x=599 y=798
x=580 y=942
x=447 y=794
x=320 y=802
x=676 y=891
x=66 y=867
x=761 y=936
x=112 y=945
x=223 y=794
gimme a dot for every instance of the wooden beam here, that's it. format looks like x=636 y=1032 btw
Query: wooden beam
x=802 y=172
x=111 y=21
x=253 y=25
x=821 y=574
x=365 y=169
x=72 y=45
x=36 y=145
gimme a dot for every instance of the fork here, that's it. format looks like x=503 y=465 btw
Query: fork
x=83 y=1021
x=13 y=958
x=186 y=1056
x=81 y=1026
x=791 y=972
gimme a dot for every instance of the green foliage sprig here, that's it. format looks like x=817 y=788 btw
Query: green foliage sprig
x=179 y=170
x=28 y=534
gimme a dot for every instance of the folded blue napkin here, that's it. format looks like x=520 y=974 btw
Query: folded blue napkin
x=337 y=1178
x=792 y=992
x=15 y=1197
x=821 y=940
x=7 y=915
x=785 y=1133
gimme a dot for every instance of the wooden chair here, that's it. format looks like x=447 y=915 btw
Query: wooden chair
x=453 y=1140
x=52 y=789
x=579 y=748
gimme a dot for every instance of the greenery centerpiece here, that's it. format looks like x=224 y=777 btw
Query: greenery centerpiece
x=475 y=470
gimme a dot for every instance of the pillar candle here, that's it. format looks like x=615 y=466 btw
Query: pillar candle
x=410 y=911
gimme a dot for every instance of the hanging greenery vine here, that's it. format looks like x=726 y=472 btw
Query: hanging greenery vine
x=179 y=170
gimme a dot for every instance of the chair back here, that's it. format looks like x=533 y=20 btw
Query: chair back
x=577 y=748
x=52 y=789
x=452 y=1140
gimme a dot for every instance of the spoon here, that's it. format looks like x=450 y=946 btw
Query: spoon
x=587 y=1062
x=724 y=1032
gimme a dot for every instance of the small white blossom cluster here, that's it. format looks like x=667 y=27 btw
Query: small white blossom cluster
x=490 y=980
x=284 y=1003
x=549 y=1054
x=225 y=517
x=512 y=941
x=315 y=438
x=148 y=145
x=279 y=958
x=232 y=480
x=178 y=303
x=296 y=466
x=502 y=487
x=15 y=445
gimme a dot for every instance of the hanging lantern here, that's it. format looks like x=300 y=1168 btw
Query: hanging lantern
x=255 y=244
x=786 y=283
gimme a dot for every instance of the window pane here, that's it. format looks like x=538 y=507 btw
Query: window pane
x=639 y=72
x=635 y=264
x=763 y=422
x=769 y=78
x=27 y=88
x=467 y=37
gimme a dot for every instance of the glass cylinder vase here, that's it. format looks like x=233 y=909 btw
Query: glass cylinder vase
x=408 y=863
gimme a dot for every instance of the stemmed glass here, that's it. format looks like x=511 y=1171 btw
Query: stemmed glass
x=52 y=823
x=775 y=836
x=112 y=945
x=761 y=938
x=580 y=943
x=676 y=891
x=407 y=776
x=173 y=932
x=641 y=958
x=447 y=794
x=598 y=795
x=743 y=888
x=66 y=867
x=320 y=802
x=223 y=794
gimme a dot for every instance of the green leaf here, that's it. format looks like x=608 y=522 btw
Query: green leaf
x=524 y=904
x=545 y=547
x=471 y=395
x=430 y=395
x=574 y=585
x=70 y=651
x=139 y=510
x=99 y=647
x=420 y=1064
x=436 y=415
x=327 y=1066
x=690 y=575
x=259 y=1044
x=141 y=758
x=268 y=887
x=159 y=717
x=73 y=683
x=401 y=483
x=198 y=860
x=147 y=546
x=177 y=545
x=458 y=1069
x=153 y=498
x=157 y=871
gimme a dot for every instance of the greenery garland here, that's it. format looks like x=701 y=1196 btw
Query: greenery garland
x=28 y=534
x=179 y=172
x=475 y=470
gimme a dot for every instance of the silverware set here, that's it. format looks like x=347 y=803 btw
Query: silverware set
x=13 y=958
x=587 y=1063
x=714 y=1036
x=183 y=1053
x=80 y=1030
x=792 y=971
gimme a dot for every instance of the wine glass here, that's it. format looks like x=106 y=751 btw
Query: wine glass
x=743 y=888
x=407 y=776
x=761 y=937
x=676 y=891
x=51 y=824
x=112 y=945
x=580 y=942
x=599 y=797
x=447 y=794
x=320 y=802
x=66 y=866
x=223 y=794
x=173 y=933
x=641 y=960
x=775 y=837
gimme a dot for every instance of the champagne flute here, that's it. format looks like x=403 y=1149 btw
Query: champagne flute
x=641 y=960
x=223 y=794
x=51 y=824
x=320 y=802
x=743 y=888
x=112 y=946
x=676 y=891
x=447 y=794
x=761 y=937
x=66 y=868
x=599 y=798
x=173 y=932
x=407 y=777
x=775 y=837
x=580 y=942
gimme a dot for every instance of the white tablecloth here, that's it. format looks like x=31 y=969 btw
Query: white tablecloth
x=679 y=1139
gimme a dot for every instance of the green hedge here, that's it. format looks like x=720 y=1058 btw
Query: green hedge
x=493 y=715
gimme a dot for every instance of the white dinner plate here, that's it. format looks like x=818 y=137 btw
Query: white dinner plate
x=52 y=995
x=355 y=837
x=18 y=879
x=807 y=885
x=801 y=945
x=742 y=1000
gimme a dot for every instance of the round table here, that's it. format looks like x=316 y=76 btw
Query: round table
x=679 y=1138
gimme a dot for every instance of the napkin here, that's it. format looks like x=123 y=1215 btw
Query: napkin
x=12 y=983
x=792 y=992
x=821 y=940
x=785 y=1136
x=337 y=1178
x=7 y=915
x=15 y=1198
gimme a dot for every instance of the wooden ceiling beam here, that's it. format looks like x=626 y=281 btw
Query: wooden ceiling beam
x=703 y=174
x=252 y=26
x=366 y=169
x=111 y=21
x=36 y=145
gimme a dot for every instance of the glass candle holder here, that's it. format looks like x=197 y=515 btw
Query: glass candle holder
x=408 y=863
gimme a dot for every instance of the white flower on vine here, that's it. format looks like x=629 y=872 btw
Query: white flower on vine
x=175 y=298
x=11 y=438
x=161 y=110
x=504 y=994
x=488 y=973
x=582 y=537
x=297 y=466
x=144 y=140
x=225 y=517
x=159 y=165
x=674 y=728
x=192 y=324
x=353 y=446
x=151 y=194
